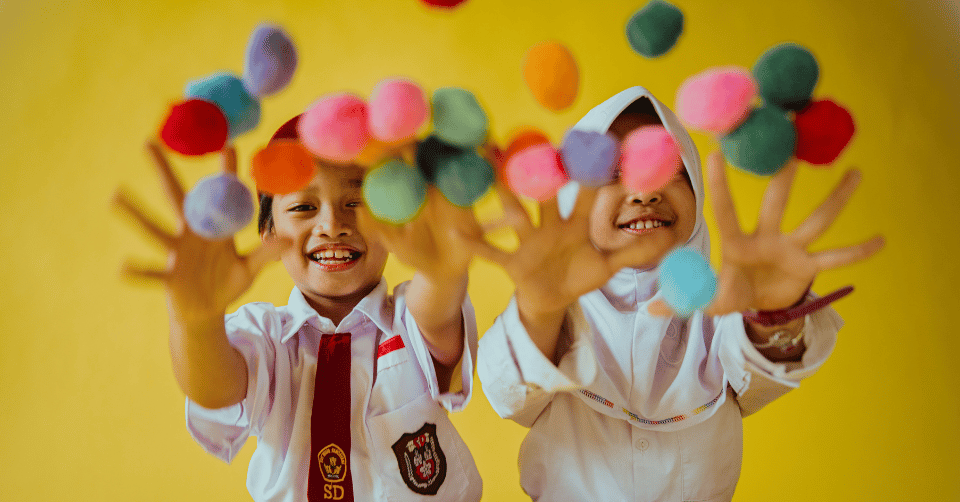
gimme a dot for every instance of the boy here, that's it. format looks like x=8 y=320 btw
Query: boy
x=346 y=387
x=625 y=405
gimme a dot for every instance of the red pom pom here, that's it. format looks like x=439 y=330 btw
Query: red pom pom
x=824 y=129
x=195 y=127
x=447 y=4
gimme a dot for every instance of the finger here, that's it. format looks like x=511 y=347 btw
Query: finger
x=584 y=204
x=123 y=202
x=550 y=214
x=824 y=215
x=228 y=160
x=659 y=308
x=514 y=212
x=171 y=184
x=493 y=225
x=634 y=255
x=723 y=208
x=376 y=229
x=265 y=253
x=835 y=258
x=775 y=199
x=134 y=271
x=492 y=253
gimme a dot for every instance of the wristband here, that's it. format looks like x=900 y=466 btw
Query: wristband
x=780 y=317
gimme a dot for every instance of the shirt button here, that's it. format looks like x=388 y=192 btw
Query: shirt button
x=642 y=444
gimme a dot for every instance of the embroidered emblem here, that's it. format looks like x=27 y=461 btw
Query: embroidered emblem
x=333 y=463
x=423 y=466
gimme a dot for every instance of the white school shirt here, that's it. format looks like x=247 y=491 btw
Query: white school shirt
x=586 y=444
x=394 y=392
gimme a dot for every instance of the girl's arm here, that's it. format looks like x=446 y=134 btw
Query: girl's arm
x=202 y=278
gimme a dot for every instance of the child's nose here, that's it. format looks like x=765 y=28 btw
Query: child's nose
x=645 y=198
x=332 y=224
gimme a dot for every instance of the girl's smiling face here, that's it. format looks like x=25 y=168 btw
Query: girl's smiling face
x=320 y=244
x=662 y=219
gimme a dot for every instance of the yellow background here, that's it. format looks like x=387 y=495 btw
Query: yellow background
x=89 y=409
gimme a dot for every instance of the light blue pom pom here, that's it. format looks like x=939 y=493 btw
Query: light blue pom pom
x=686 y=281
x=395 y=192
x=218 y=206
x=228 y=92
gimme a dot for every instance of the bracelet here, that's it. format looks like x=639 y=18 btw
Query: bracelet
x=780 y=317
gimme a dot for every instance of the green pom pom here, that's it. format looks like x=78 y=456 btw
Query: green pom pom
x=458 y=118
x=654 y=29
x=463 y=178
x=394 y=192
x=786 y=75
x=763 y=143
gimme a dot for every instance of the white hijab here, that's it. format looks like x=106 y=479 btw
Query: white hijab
x=667 y=375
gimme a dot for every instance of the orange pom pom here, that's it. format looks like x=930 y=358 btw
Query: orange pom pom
x=552 y=75
x=283 y=166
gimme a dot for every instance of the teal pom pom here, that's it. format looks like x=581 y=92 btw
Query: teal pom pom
x=458 y=118
x=763 y=143
x=786 y=75
x=686 y=281
x=463 y=178
x=394 y=192
x=228 y=92
x=654 y=29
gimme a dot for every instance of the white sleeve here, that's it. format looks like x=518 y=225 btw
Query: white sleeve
x=518 y=380
x=451 y=401
x=222 y=432
x=759 y=381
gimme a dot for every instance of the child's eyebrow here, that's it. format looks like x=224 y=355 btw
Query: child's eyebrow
x=354 y=183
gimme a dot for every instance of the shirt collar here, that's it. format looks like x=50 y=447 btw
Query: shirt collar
x=376 y=307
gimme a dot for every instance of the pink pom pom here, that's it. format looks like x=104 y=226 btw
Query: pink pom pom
x=536 y=172
x=649 y=158
x=398 y=108
x=335 y=127
x=716 y=100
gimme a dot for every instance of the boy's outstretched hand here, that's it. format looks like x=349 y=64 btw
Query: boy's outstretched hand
x=769 y=269
x=202 y=276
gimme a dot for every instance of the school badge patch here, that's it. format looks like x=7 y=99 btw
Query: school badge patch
x=333 y=463
x=423 y=466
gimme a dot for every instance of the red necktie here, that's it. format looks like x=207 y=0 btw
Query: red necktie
x=329 y=475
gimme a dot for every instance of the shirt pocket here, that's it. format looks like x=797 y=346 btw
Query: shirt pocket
x=417 y=454
x=712 y=453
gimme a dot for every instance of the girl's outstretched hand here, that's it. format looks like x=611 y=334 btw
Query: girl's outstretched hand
x=769 y=269
x=202 y=277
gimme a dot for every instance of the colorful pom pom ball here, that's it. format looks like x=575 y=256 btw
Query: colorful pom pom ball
x=763 y=143
x=228 y=92
x=218 y=206
x=270 y=61
x=655 y=28
x=283 y=166
x=551 y=75
x=397 y=110
x=590 y=157
x=823 y=131
x=786 y=75
x=458 y=118
x=463 y=178
x=335 y=128
x=394 y=192
x=443 y=4
x=687 y=281
x=716 y=100
x=536 y=172
x=431 y=152
x=194 y=127
x=649 y=158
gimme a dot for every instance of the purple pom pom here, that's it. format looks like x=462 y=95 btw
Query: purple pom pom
x=271 y=61
x=590 y=157
x=218 y=206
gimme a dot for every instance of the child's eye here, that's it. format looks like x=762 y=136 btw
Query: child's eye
x=355 y=203
x=301 y=207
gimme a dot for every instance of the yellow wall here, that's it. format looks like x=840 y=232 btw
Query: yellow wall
x=88 y=406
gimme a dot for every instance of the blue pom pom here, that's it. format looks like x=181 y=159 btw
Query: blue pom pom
x=218 y=207
x=589 y=157
x=228 y=92
x=687 y=281
x=271 y=61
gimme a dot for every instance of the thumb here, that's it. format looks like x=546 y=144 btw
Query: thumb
x=268 y=251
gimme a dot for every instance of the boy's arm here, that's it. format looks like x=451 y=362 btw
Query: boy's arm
x=202 y=278
x=436 y=305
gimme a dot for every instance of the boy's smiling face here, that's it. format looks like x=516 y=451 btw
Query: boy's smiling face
x=661 y=219
x=320 y=244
